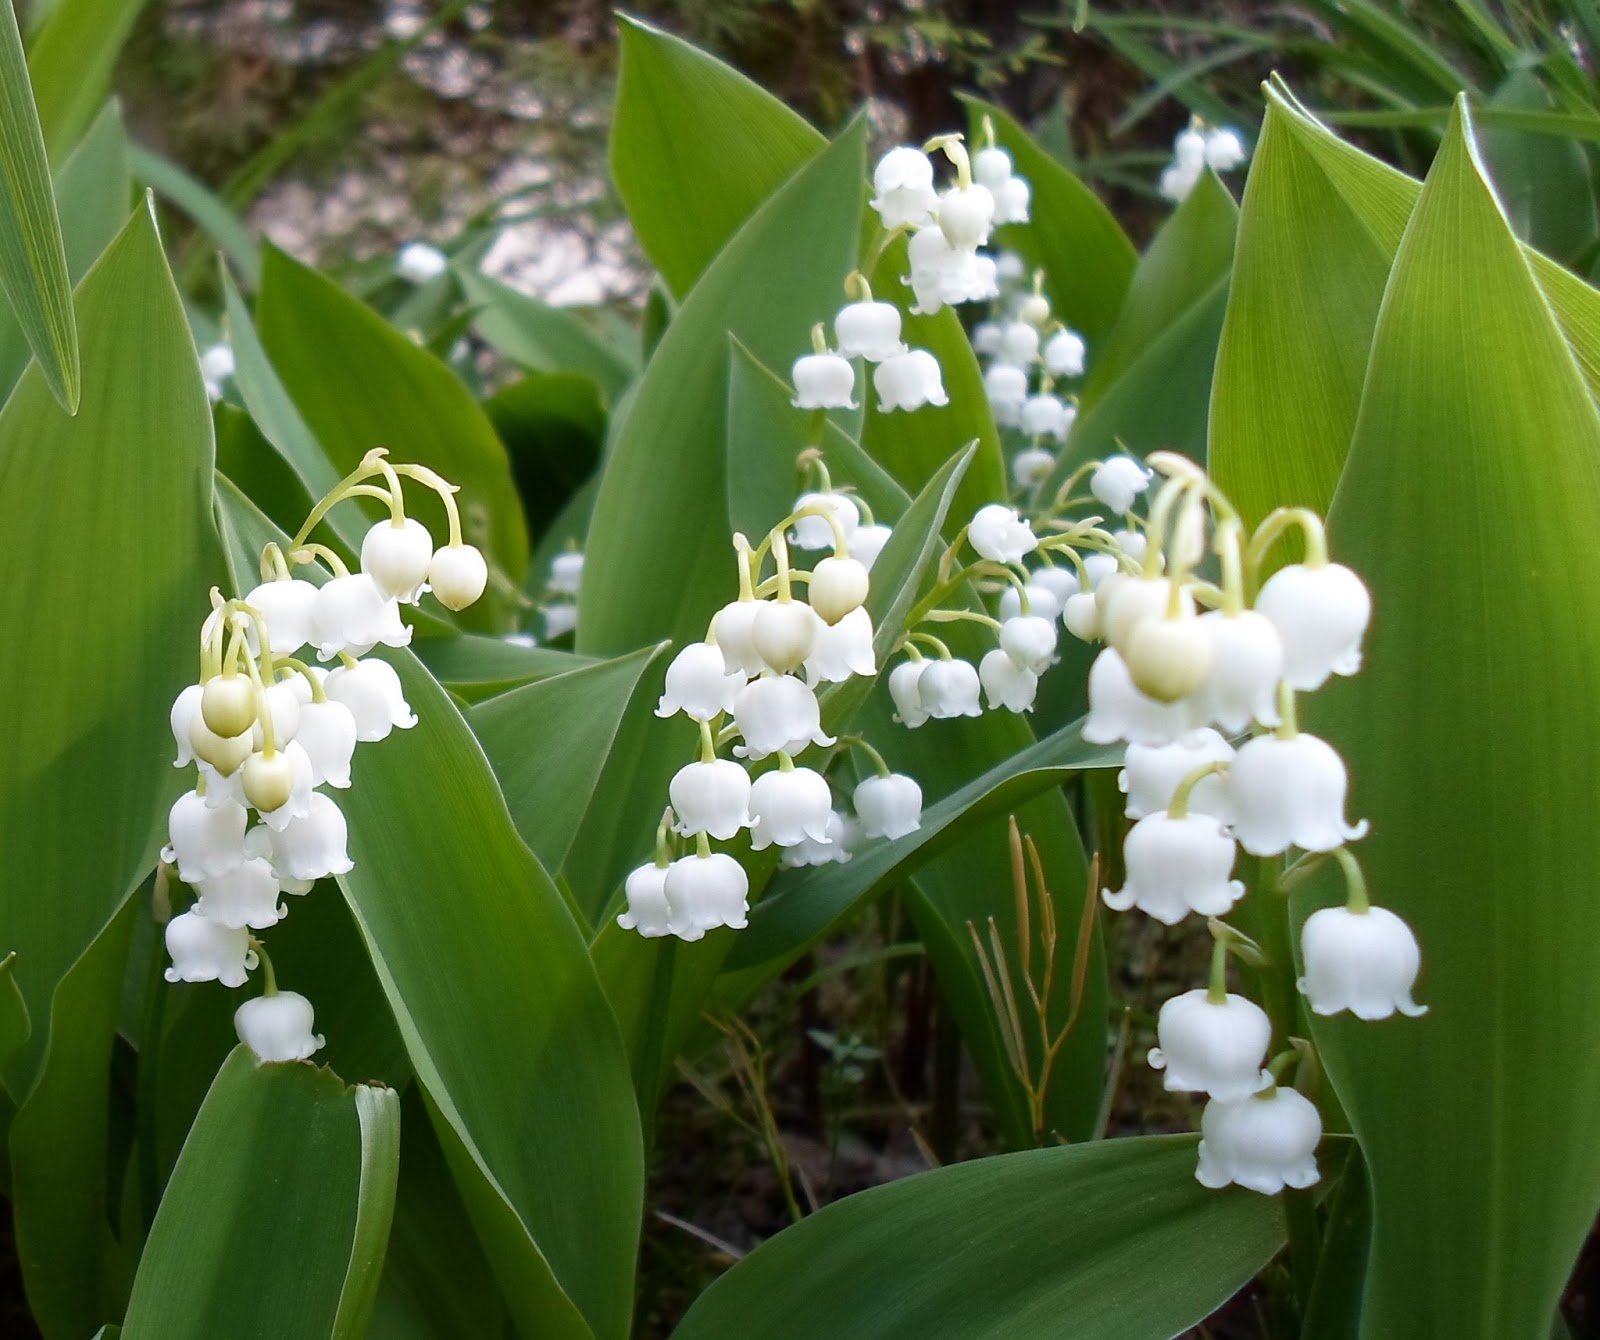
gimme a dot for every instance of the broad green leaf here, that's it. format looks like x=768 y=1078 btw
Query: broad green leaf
x=126 y=484
x=1087 y=258
x=506 y=1025
x=553 y=425
x=474 y=666
x=277 y=1215
x=539 y=337
x=653 y=568
x=58 y=1146
x=550 y=743
x=1486 y=686
x=360 y=383
x=14 y=1022
x=1107 y=1239
x=33 y=259
x=71 y=58
x=193 y=197
x=1543 y=182
x=695 y=148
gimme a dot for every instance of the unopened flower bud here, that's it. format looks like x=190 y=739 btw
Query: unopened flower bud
x=224 y=753
x=458 y=575
x=268 y=780
x=784 y=632
x=1168 y=659
x=1081 y=615
x=228 y=705
x=838 y=585
x=1034 y=309
x=397 y=558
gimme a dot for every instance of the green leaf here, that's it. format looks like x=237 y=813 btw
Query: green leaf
x=58 y=1146
x=695 y=148
x=33 y=259
x=1087 y=258
x=14 y=1022
x=1543 y=182
x=501 y=1013
x=550 y=743
x=277 y=1214
x=652 y=570
x=127 y=488
x=71 y=59
x=188 y=193
x=1108 y=1239
x=360 y=383
x=475 y=667
x=1488 y=691
x=539 y=337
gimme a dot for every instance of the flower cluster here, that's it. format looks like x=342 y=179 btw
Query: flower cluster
x=1197 y=148
x=1187 y=666
x=266 y=730
x=763 y=659
x=1026 y=353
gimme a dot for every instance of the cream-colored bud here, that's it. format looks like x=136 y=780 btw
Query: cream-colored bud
x=228 y=704
x=1168 y=659
x=268 y=780
x=838 y=585
x=223 y=752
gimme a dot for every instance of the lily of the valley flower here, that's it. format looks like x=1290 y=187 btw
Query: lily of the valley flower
x=247 y=895
x=1246 y=664
x=352 y=615
x=1118 y=711
x=286 y=607
x=278 y=1027
x=647 y=912
x=1290 y=793
x=890 y=806
x=202 y=950
x=1151 y=774
x=1030 y=641
x=1007 y=684
x=1362 y=961
x=417 y=262
x=997 y=533
x=909 y=381
x=949 y=689
x=1263 y=1143
x=1064 y=354
x=1176 y=866
x=777 y=714
x=1118 y=481
x=1321 y=613
x=712 y=797
x=700 y=683
x=1213 y=1047
x=313 y=846
x=842 y=650
x=458 y=575
x=813 y=532
x=903 y=180
x=1047 y=416
x=823 y=381
x=869 y=330
x=788 y=805
x=905 y=689
x=397 y=557
x=1031 y=466
x=372 y=692
x=704 y=893
x=1007 y=390
x=204 y=840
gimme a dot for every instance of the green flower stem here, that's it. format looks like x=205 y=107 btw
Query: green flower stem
x=1356 y=899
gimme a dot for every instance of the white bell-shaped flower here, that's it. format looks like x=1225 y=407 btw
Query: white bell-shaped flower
x=1034 y=309
x=1011 y=268
x=1080 y=612
x=286 y=607
x=1151 y=773
x=1189 y=148
x=314 y=845
x=903 y=182
x=1177 y=866
x=1047 y=416
x=278 y=1027
x=1019 y=344
x=1290 y=793
x=1042 y=602
x=734 y=628
x=699 y=681
x=705 y=892
x=205 y=840
x=185 y=712
x=909 y=381
x=397 y=558
x=1031 y=466
x=1362 y=961
x=933 y=264
x=417 y=262
x=991 y=166
x=1118 y=711
x=246 y=896
x=258 y=845
x=1011 y=200
x=985 y=337
x=283 y=706
x=201 y=950
x=1060 y=584
x=291 y=763
x=1246 y=665
x=352 y=615
x=1064 y=354
x=560 y=618
x=788 y=805
x=1006 y=387
x=1135 y=545
x=997 y=533
x=459 y=574
x=774 y=714
x=869 y=330
x=1224 y=150
x=1321 y=613
x=949 y=689
x=1030 y=641
x=842 y=650
x=1118 y=481
x=566 y=574
x=1263 y=1143
x=711 y=798
x=217 y=365
x=646 y=890
x=1218 y=1048
x=814 y=532
x=905 y=689
x=966 y=213
x=1177 y=182
x=1127 y=601
x=834 y=849
x=867 y=543
x=1008 y=685
x=838 y=586
x=328 y=735
x=1097 y=568
x=889 y=807
x=784 y=633
x=823 y=381
x=371 y=689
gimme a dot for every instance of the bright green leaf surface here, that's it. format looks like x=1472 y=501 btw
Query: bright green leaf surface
x=33 y=259
x=275 y=1221
x=1108 y=1239
x=126 y=485
x=475 y=666
x=695 y=148
x=71 y=58
x=1478 y=1121
x=225 y=228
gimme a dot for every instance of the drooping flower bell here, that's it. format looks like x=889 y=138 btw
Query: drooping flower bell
x=1042 y=601
x=909 y=381
x=1064 y=354
x=1241 y=685
x=352 y=615
x=734 y=628
x=1362 y=961
x=1176 y=866
x=705 y=892
x=1213 y=1047
x=1224 y=150
x=566 y=574
x=833 y=849
x=1047 y=416
x=1011 y=200
x=788 y=805
x=903 y=180
x=185 y=711
x=890 y=806
x=286 y=607
x=785 y=630
x=247 y=895
x=1019 y=344
x=202 y=950
x=1151 y=774
x=813 y=532
x=997 y=533
x=1168 y=658
x=1118 y=481
x=700 y=683
x=328 y=734
x=417 y=262
x=1290 y=792
x=372 y=692
x=1321 y=613
x=966 y=214
x=774 y=714
x=1007 y=684
x=397 y=558
x=1118 y=711
x=313 y=846
x=991 y=166
x=459 y=574
x=905 y=689
x=949 y=688
x=647 y=912
x=712 y=797
x=869 y=330
x=1030 y=641
x=1007 y=389
x=867 y=543
x=1031 y=466
x=205 y=840
x=823 y=381
x=278 y=785
x=278 y=1027
x=1263 y=1143
x=843 y=650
